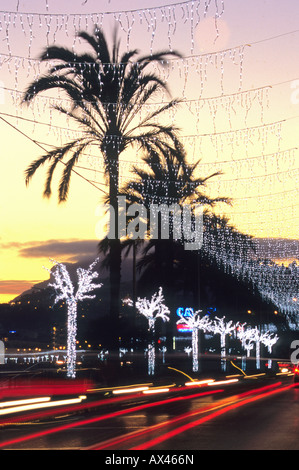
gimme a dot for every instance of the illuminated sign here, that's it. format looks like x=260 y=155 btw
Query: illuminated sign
x=184 y=312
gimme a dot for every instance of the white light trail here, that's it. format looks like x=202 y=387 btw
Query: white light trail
x=26 y=401
x=34 y=406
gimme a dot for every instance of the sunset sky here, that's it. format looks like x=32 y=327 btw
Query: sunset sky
x=240 y=82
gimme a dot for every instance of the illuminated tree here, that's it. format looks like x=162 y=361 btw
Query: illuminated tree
x=163 y=351
x=72 y=296
x=250 y=336
x=246 y=338
x=269 y=340
x=188 y=350
x=259 y=338
x=195 y=323
x=152 y=310
x=223 y=329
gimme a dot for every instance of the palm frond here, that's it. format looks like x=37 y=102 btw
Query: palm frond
x=47 y=191
x=33 y=167
x=98 y=43
x=58 y=53
x=49 y=82
x=66 y=177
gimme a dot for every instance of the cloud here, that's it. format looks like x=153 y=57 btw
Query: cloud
x=14 y=287
x=10 y=245
x=72 y=250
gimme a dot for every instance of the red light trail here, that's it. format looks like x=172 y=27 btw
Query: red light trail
x=34 y=387
x=67 y=409
x=100 y=418
x=226 y=405
x=168 y=435
x=137 y=434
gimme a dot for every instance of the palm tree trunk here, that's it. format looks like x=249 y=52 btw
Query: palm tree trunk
x=134 y=276
x=115 y=259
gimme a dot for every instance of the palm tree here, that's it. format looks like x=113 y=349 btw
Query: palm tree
x=167 y=179
x=164 y=178
x=107 y=92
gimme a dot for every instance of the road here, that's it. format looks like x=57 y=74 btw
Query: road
x=257 y=414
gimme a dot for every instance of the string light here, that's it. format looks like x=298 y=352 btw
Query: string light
x=150 y=17
x=244 y=259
